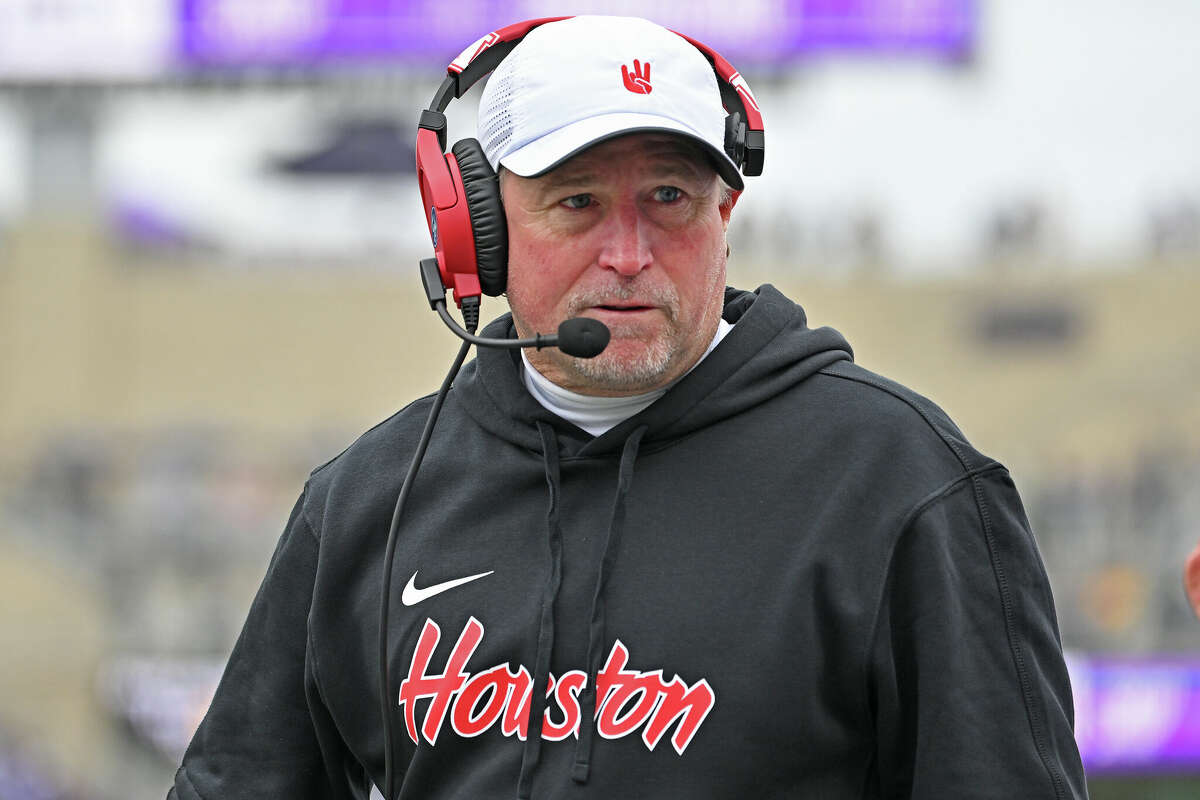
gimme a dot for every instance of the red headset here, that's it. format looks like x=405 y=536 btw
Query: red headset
x=461 y=192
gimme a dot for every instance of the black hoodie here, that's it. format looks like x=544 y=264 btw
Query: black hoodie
x=786 y=578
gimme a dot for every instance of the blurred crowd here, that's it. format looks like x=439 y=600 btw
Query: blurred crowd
x=1114 y=537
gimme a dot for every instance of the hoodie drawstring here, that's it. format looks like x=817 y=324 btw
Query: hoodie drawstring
x=587 y=699
x=532 y=751
x=545 y=646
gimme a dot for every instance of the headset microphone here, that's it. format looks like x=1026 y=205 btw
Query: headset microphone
x=583 y=337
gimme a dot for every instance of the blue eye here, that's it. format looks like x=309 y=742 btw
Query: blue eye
x=667 y=194
x=578 y=201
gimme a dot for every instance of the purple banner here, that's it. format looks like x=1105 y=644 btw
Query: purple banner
x=1136 y=715
x=317 y=33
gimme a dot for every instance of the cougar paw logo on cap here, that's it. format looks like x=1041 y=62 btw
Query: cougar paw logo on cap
x=639 y=81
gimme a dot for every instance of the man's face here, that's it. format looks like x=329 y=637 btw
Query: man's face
x=630 y=232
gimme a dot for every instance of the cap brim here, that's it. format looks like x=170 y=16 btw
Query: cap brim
x=544 y=154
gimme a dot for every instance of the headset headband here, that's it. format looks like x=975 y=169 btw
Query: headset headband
x=468 y=237
x=485 y=54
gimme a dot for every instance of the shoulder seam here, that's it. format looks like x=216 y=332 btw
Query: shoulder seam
x=975 y=476
x=311 y=656
x=867 y=381
x=311 y=649
x=303 y=517
x=1037 y=729
x=917 y=510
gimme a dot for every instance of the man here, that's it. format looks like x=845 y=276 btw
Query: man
x=718 y=560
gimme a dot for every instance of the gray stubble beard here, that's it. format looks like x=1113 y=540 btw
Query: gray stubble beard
x=639 y=374
x=645 y=371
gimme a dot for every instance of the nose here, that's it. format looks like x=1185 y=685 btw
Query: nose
x=626 y=248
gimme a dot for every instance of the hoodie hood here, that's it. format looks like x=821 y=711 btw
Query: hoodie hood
x=770 y=350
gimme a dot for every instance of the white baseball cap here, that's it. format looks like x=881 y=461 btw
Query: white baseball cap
x=574 y=83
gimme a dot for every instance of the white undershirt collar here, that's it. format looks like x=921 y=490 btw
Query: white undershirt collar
x=597 y=414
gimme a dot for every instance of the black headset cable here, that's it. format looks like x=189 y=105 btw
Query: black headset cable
x=471 y=321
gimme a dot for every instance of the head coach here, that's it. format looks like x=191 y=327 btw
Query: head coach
x=712 y=559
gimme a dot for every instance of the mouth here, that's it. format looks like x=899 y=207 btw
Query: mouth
x=624 y=307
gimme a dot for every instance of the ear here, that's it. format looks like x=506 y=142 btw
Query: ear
x=726 y=208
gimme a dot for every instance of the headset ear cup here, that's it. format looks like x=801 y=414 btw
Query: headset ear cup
x=481 y=186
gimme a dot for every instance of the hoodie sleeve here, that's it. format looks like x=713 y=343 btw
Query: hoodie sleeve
x=968 y=682
x=267 y=732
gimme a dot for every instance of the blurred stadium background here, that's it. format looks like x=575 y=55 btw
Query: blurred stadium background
x=209 y=232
